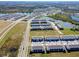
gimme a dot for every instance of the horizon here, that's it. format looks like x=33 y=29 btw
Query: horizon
x=39 y=0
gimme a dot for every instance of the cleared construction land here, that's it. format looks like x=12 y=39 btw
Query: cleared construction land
x=11 y=42
x=3 y=25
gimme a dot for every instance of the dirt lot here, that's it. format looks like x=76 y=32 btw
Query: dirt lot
x=3 y=24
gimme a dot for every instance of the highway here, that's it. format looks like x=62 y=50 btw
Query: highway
x=23 y=50
x=9 y=28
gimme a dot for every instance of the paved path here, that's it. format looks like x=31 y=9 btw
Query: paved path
x=23 y=50
x=55 y=27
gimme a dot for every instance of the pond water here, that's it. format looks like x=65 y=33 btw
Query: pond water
x=75 y=18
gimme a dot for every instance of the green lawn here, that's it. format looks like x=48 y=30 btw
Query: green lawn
x=12 y=40
x=58 y=54
x=44 y=33
x=67 y=31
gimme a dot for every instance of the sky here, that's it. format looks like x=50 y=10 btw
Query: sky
x=39 y=0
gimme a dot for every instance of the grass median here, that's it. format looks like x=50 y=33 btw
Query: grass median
x=11 y=42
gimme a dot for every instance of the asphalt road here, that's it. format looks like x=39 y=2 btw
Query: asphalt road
x=23 y=50
x=10 y=27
